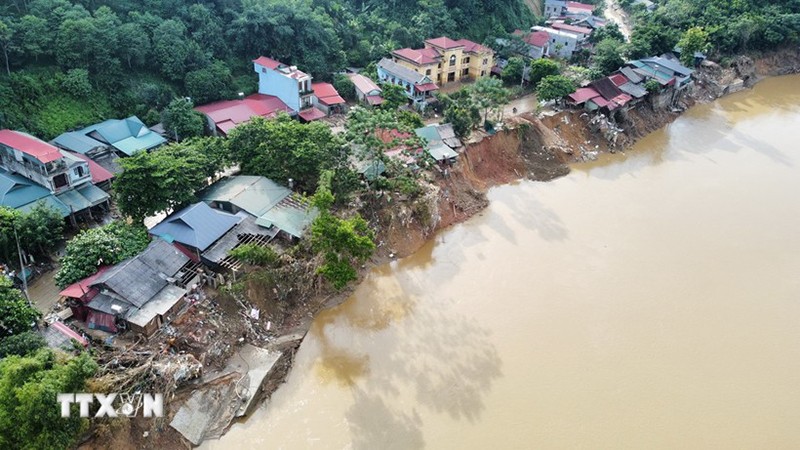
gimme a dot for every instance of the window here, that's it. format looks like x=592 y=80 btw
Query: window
x=483 y=72
x=263 y=70
x=440 y=65
x=428 y=72
x=485 y=61
x=452 y=60
x=451 y=77
x=465 y=72
x=79 y=172
x=439 y=77
x=554 y=39
x=465 y=60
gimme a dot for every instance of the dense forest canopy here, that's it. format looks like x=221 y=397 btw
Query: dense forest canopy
x=73 y=62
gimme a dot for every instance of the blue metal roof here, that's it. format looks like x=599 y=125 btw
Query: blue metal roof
x=22 y=194
x=77 y=142
x=197 y=225
x=253 y=194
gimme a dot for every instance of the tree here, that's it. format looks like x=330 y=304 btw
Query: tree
x=342 y=242
x=554 y=87
x=344 y=86
x=40 y=230
x=21 y=344
x=6 y=36
x=29 y=414
x=283 y=149
x=609 y=31
x=541 y=68
x=181 y=120
x=35 y=37
x=607 y=57
x=209 y=83
x=489 y=95
x=103 y=246
x=695 y=39
x=137 y=44
x=16 y=314
x=163 y=180
x=461 y=111
x=512 y=72
x=76 y=83
x=652 y=86
x=394 y=96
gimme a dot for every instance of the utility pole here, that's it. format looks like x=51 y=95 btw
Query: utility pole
x=22 y=268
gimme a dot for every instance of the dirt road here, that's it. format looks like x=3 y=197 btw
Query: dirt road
x=616 y=14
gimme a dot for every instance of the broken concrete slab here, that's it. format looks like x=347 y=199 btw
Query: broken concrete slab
x=214 y=405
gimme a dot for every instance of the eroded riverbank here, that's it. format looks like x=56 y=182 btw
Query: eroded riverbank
x=642 y=303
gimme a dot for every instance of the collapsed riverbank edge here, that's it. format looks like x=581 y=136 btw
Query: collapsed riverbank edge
x=537 y=148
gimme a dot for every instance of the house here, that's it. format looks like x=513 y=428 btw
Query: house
x=367 y=91
x=195 y=228
x=273 y=207
x=418 y=87
x=446 y=60
x=535 y=45
x=562 y=44
x=225 y=115
x=295 y=89
x=581 y=32
x=141 y=293
x=80 y=293
x=555 y=8
x=28 y=165
x=441 y=143
x=327 y=98
x=218 y=255
x=126 y=137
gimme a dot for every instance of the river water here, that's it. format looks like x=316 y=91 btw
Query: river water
x=648 y=300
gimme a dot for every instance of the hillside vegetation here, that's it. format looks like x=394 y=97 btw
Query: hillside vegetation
x=68 y=63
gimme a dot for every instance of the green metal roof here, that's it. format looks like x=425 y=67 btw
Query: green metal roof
x=77 y=142
x=51 y=202
x=22 y=194
x=126 y=135
x=289 y=218
x=253 y=194
x=93 y=194
x=430 y=133
x=441 y=152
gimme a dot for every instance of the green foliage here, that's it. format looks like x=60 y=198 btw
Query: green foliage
x=284 y=148
x=181 y=120
x=21 y=344
x=394 y=96
x=97 y=247
x=344 y=86
x=76 y=83
x=652 y=86
x=16 y=315
x=30 y=416
x=609 y=31
x=554 y=87
x=39 y=231
x=167 y=178
x=489 y=95
x=608 y=56
x=512 y=72
x=541 y=68
x=461 y=111
x=695 y=39
x=342 y=242
x=209 y=83
x=255 y=255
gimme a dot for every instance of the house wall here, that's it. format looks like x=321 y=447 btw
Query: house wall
x=480 y=64
x=561 y=45
x=554 y=7
x=272 y=82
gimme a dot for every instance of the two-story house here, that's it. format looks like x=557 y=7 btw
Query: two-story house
x=65 y=175
x=418 y=87
x=445 y=60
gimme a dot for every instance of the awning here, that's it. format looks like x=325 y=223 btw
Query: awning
x=374 y=100
x=83 y=197
x=426 y=87
x=93 y=194
x=311 y=114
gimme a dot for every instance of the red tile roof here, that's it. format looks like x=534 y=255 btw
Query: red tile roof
x=227 y=114
x=571 y=28
x=473 y=47
x=327 y=94
x=417 y=56
x=269 y=63
x=99 y=173
x=618 y=79
x=578 y=5
x=537 y=38
x=311 y=114
x=83 y=287
x=29 y=145
x=583 y=94
x=445 y=43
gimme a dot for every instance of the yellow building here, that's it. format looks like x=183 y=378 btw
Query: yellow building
x=445 y=60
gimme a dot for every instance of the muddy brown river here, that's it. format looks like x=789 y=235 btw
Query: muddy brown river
x=648 y=300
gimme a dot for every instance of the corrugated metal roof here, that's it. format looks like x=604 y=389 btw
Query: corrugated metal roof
x=77 y=142
x=30 y=145
x=365 y=85
x=197 y=225
x=128 y=135
x=162 y=302
x=229 y=241
x=292 y=217
x=253 y=194
x=402 y=72
x=631 y=75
